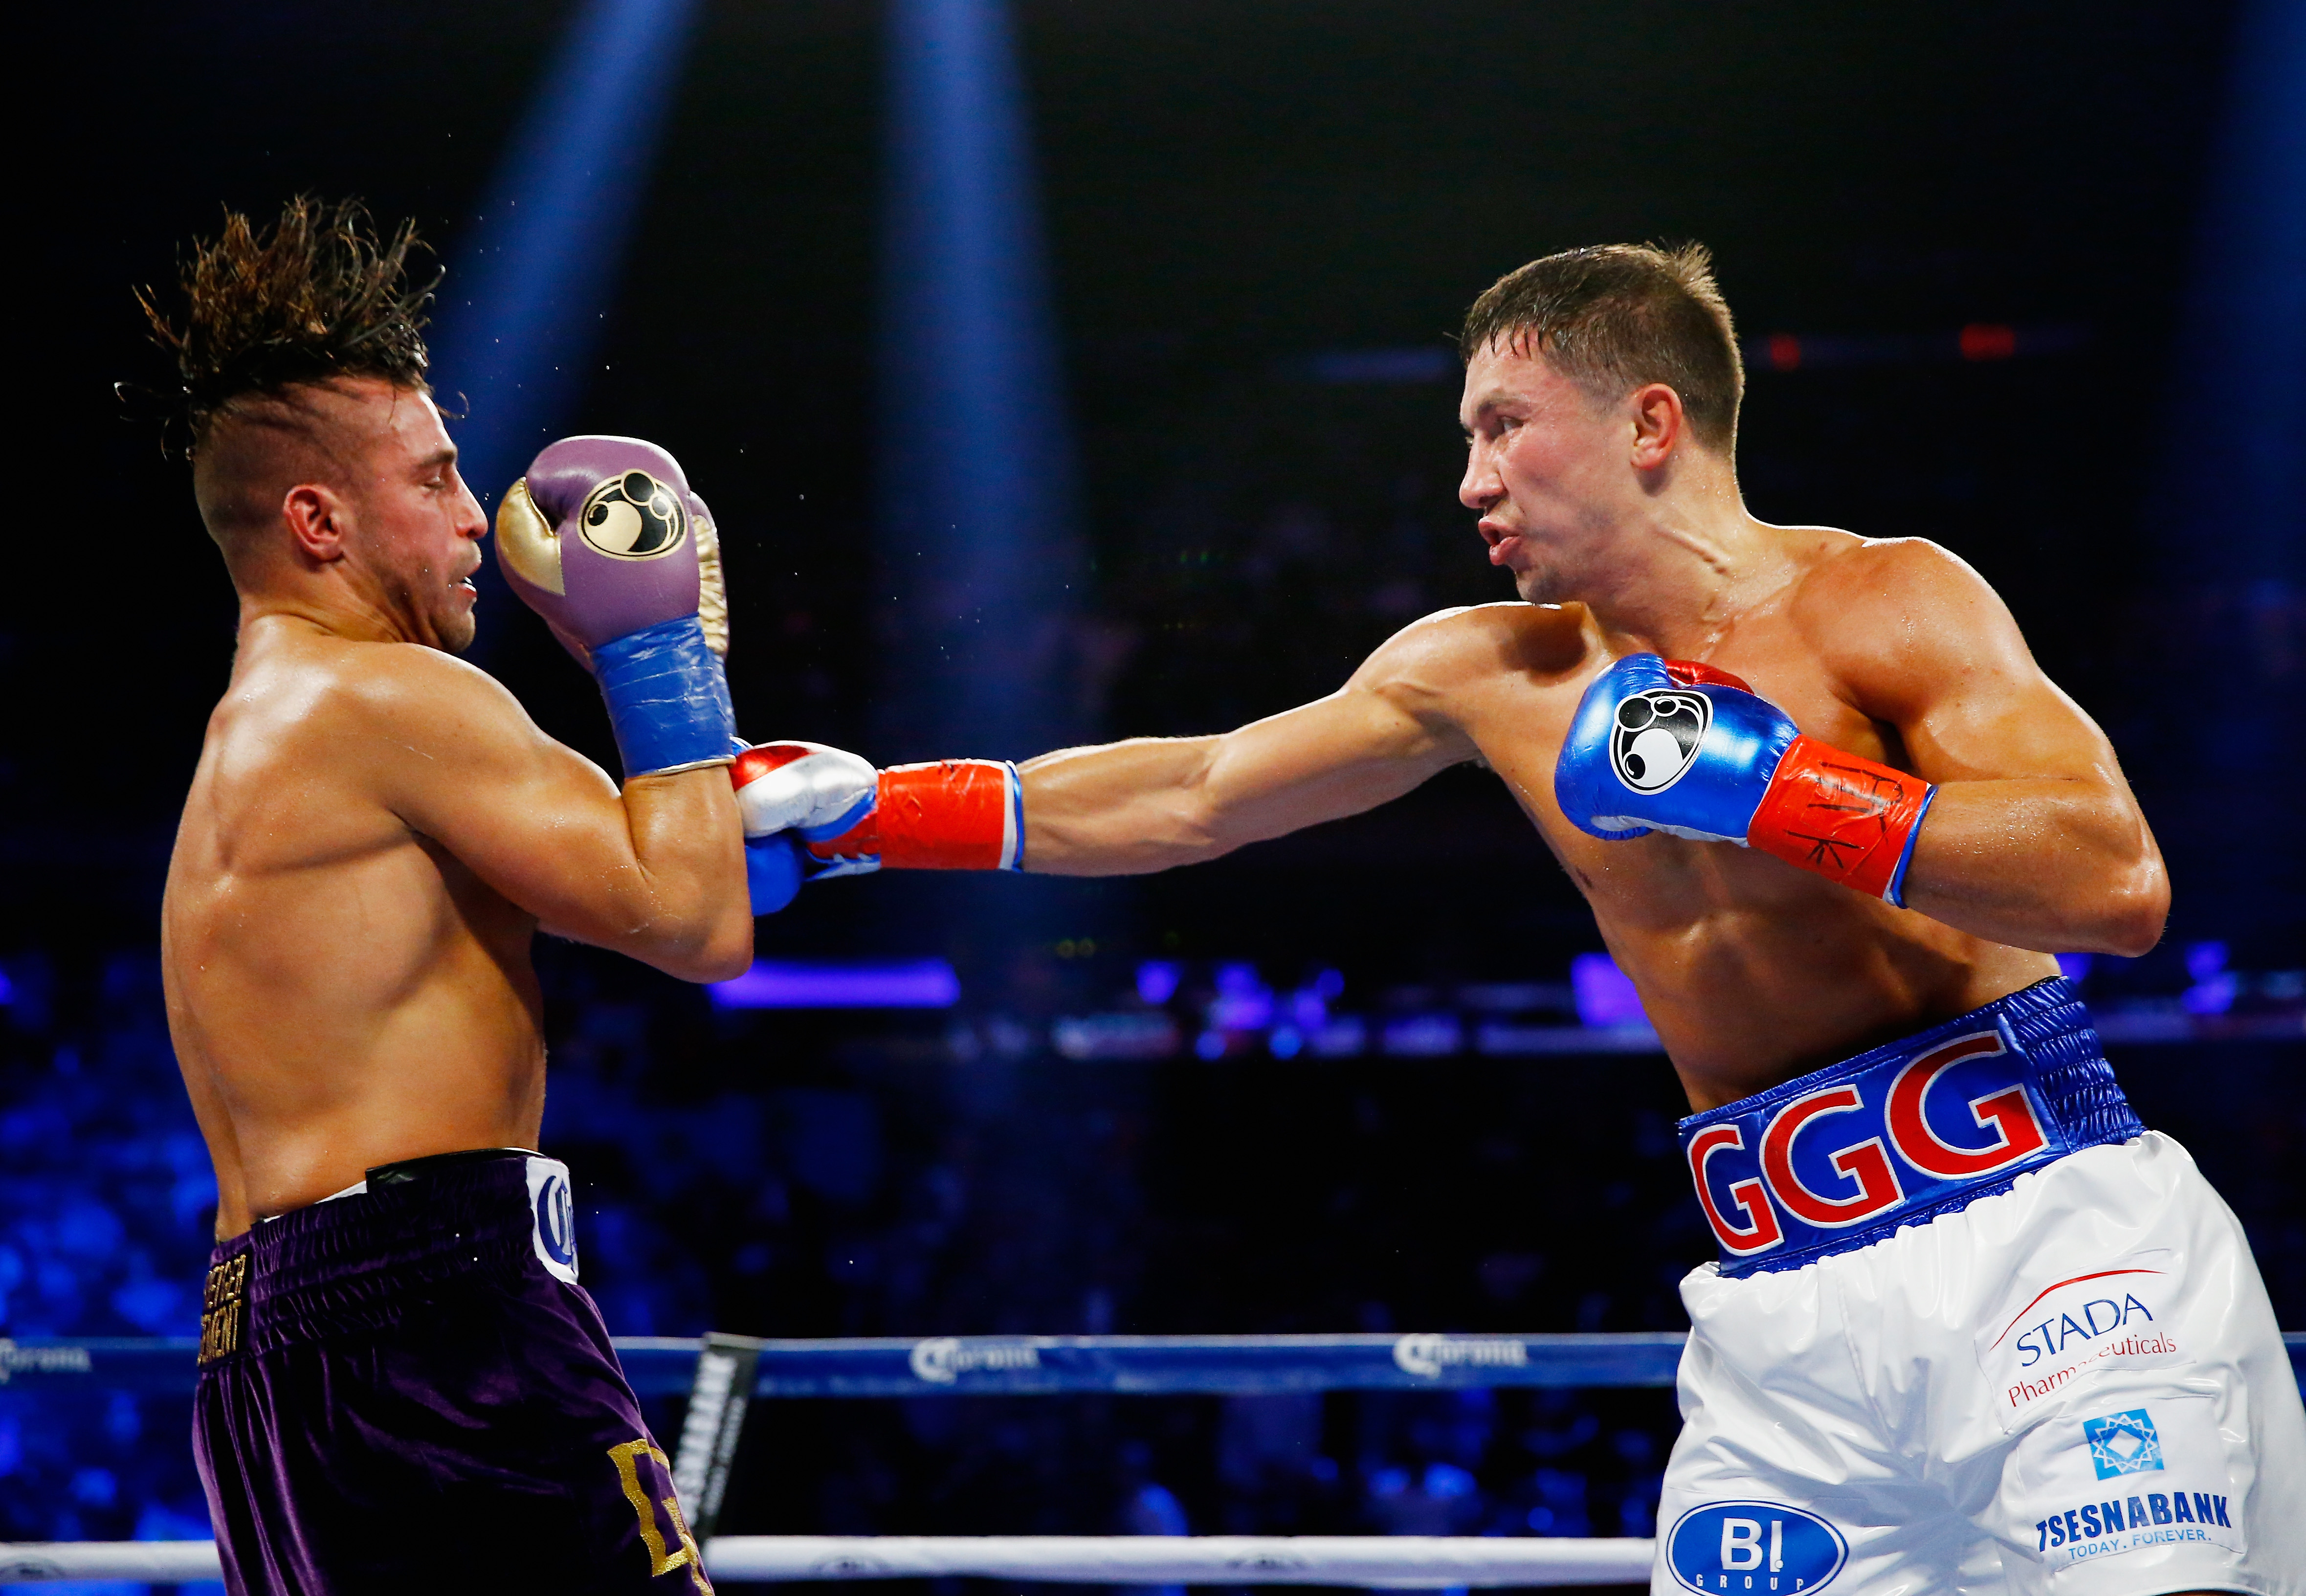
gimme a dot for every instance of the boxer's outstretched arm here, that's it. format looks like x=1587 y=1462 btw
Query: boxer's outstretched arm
x=2034 y=839
x=655 y=872
x=1130 y=807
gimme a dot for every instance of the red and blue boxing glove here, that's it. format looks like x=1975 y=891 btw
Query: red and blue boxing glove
x=1676 y=746
x=812 y=812
x=603 y=539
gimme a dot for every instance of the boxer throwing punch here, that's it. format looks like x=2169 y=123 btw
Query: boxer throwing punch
x=402 y=1386
x=1972 y=1325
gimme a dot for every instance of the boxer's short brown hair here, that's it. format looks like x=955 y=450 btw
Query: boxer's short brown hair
x=1615 y=316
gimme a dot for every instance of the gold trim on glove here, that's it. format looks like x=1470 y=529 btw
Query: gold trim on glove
x=529 y=545
x=712 y=588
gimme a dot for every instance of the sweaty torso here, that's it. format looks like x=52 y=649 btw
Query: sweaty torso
x=1752 y=970
x=342 y=991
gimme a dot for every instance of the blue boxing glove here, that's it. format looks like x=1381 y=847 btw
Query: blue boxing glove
x=1676 y=746
x=774 y=871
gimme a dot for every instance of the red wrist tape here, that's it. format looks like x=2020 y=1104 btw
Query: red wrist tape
x=953 y=815
x=1695 y=673
x=1847 y=818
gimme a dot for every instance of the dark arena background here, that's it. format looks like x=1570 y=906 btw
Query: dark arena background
x=1061 y=372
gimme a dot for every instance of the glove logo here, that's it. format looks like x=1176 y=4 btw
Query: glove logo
x=1654 y=736
x=634 y=517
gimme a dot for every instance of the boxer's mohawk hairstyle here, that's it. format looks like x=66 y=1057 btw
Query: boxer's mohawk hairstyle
x=318 y=296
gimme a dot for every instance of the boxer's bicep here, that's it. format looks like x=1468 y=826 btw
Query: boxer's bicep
x=1929 y=648
x=460 y=761
x=2033 y=837
x=1152 y=803
x=1156 y=802
x=1339 y=756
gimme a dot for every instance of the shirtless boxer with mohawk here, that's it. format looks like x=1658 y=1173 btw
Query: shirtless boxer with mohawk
x=402 y=1386
x=1972 y=1325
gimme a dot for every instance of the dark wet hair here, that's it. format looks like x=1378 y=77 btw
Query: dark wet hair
x=316 y=296
x=1615 y=316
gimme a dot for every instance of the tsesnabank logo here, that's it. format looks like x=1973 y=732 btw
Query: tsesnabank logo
x=941 y=1360
x=1754 y=1546
x=634 y=517
x=1654 y=740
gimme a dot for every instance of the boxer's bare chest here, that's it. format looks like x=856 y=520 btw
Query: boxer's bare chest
x=1751 y=970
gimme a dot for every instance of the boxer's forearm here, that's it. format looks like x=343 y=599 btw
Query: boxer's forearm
x=1152 y=803
x=681 y=904
x=2059 y=865
x=1123 y=809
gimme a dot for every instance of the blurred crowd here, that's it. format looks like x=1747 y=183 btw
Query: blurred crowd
x=972 y=1172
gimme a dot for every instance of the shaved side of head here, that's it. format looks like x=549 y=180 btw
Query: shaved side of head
x=261 y=446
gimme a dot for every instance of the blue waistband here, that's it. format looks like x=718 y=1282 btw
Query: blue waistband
x=1838 y=1158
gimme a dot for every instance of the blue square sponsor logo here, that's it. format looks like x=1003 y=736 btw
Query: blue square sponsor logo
x=2123 y=1444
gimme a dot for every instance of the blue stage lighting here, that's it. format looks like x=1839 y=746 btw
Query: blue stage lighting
x=977 y=475
x=530 y=279
x=2237 y=432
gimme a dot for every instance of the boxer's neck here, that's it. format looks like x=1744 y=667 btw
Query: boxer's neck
x=1674 y=577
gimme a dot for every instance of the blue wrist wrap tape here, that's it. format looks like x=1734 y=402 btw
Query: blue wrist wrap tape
x=668 y=698
x=1896 y=894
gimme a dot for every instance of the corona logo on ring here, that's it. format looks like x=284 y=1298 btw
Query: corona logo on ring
x=1426 y=1355
x=941 y=1360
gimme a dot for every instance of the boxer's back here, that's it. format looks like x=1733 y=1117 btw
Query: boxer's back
x=342 y=991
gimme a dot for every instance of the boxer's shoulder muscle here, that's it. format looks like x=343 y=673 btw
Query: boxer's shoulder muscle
x=1449 y=659
x=407 y=723
x=1889 y=618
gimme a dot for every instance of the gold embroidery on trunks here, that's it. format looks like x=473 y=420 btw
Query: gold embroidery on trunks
x=627 y=1457
x=223 y=1300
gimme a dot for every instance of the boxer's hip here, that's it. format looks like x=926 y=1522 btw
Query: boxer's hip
x=361 y=1261
x=1844 y=1157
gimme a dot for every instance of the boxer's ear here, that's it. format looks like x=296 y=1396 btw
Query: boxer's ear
x=529 y=545
x=315 y=517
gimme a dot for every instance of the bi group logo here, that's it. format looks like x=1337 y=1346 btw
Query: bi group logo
x=1754 y=1546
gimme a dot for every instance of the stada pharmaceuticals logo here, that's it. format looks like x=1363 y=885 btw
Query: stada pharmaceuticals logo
x=1754 y=1546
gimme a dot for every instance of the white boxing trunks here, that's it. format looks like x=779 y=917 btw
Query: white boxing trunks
x=1973 y=1328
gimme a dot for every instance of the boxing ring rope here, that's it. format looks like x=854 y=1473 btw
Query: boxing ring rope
x=715 y=1370
x=1399 y=1562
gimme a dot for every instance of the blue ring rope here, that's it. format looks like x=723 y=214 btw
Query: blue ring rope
x=1022 y=1365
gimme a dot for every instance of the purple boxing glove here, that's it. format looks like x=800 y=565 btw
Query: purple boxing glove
x=604 y=540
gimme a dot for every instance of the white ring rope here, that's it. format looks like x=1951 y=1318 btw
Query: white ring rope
x=1387 y=1561
x=1397 y=1562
